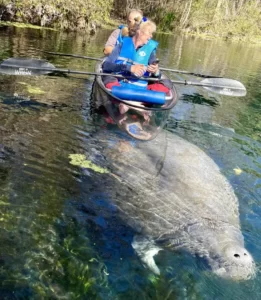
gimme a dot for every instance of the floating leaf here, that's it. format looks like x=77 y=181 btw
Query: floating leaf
x=31 y=89
x=81 y=161
x=237 y=171
x=34 y=90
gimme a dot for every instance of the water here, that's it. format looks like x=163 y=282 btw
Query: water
x=53 y=246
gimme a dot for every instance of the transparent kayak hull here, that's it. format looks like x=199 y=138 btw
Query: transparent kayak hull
x=142 y=121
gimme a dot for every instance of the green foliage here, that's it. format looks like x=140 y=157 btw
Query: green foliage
x=226 y=20
x=166 y=22
x=60 y=14
x=223 y=18
x=241 y=19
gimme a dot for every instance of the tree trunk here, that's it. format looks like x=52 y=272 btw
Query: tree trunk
x=186 y=12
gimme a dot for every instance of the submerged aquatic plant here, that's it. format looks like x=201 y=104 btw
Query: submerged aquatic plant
x=32 y=89
x=46 y=255
x=81 y=161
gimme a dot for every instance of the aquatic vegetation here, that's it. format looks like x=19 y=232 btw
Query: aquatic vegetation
x=32 y=89
x=47 y=256
x=81 y=161
x=64 y=268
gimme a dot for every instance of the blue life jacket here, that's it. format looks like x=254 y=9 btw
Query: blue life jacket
x=120 y=37
x=129 y=55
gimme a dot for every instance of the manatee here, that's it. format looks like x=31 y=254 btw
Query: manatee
x=180 y=201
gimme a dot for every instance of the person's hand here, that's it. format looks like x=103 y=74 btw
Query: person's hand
x=138 y=70
x=153 y=69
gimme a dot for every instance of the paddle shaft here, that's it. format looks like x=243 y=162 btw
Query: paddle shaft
x=161 y=68
x=73 y=55
x=36 y=67
x=188 y=73
x=26 y=71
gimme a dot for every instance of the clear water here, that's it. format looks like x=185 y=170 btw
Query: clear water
x=52 y=246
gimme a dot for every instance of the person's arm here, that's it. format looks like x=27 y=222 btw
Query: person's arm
x=109 y=65
x=107 y=50
x=111 y=42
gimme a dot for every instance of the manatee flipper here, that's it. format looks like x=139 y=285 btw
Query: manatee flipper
x=146 y=249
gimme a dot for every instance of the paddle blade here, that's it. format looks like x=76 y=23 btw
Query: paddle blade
x=224 y=86
x=26 y=66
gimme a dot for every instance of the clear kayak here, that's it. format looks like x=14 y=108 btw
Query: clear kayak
x=139 y=117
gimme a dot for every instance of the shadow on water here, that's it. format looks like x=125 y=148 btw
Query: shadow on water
x=199 y=99
x=28 y=102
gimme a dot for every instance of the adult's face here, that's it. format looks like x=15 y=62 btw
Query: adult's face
x=131 y=19
x=132 y=23
x=144 y=35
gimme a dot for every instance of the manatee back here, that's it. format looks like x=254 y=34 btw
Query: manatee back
x=174 y=184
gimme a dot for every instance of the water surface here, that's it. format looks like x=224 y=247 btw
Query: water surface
x=51 y=247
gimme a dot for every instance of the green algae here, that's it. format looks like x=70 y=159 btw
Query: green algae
x=34 y=90
x=81 y=161
x=31 y=89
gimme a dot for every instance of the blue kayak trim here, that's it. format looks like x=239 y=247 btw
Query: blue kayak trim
x=141 y=95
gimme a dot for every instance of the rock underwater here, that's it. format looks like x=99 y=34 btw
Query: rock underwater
x=181 y=201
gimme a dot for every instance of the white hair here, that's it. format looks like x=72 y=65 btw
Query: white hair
x=148 y=25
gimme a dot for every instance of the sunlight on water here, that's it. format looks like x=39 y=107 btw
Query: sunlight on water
x=61 y=235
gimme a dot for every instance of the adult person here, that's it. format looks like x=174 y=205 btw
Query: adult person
x=136 y=56
x=118 y=34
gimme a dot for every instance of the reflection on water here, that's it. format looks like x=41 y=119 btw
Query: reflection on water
x=56 y=241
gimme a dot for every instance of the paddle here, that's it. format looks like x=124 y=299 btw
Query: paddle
x=73 y=55
x=27 y=66
x=161 y=68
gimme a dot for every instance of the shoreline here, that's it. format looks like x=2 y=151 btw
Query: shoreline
x=113 y=24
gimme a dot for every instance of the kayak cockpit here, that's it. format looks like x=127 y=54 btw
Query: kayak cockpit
x=135 y=112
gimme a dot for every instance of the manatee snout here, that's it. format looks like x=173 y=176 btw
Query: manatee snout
x=239 y=255
x=238 y=264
